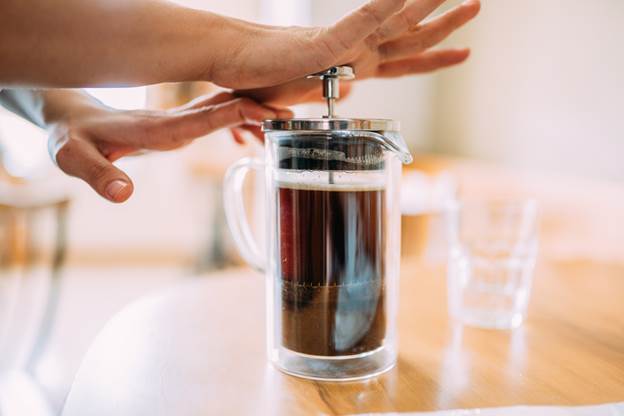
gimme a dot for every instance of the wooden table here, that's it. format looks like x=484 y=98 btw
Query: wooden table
x=200 y=349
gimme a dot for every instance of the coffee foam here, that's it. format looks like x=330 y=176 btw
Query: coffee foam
x=331 y=187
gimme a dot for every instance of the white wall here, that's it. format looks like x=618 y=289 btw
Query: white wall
x=544 y=88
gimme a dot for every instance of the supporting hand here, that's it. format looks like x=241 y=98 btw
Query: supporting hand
x=86 y=146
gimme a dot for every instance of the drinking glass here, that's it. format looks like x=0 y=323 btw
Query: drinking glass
x=493 y=246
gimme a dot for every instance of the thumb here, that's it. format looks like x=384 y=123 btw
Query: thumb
x=81 y=159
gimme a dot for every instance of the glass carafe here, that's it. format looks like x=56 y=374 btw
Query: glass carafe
x=331 y=255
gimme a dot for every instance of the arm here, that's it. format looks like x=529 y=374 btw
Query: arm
x=86 y=137
x=102 y=42
x=131 y=42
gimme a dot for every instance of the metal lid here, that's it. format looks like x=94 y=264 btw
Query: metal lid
x=331 y=124
x=305 y=131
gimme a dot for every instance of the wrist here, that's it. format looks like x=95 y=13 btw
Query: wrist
x=223 y=43
x=192 y=45
x=65 y=106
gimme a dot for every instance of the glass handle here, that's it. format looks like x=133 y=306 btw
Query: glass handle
x=235 y=211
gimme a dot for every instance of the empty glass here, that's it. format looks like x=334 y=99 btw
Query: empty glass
x=493 y=246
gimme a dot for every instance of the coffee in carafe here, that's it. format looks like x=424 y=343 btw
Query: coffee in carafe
x=331 y=269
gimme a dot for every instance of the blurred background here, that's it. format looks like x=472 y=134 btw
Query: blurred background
x=542 y=92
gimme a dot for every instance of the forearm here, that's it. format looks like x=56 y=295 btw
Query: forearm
x=46 y=107
x=77 y=43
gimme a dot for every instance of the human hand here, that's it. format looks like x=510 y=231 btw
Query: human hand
x=400 y=46
x=384 y=38
x=87 y=146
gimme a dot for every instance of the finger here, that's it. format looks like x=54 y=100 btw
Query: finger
x=407 y=19
x=256 y=131
x=281 y=112
x=237 y=135
x=176 y=129
x=290 y=93
x=425 y=62
x=114 y=152
x=206 y=100
x=294 y=92
x=424 y=36
x=357 y=26
x=81 y=159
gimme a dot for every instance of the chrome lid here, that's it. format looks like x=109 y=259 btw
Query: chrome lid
x=345 y=134
x=331 y=124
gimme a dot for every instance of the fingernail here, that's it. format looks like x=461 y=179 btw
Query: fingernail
x=115 y=188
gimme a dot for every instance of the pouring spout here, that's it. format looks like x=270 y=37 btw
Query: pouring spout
x=394 y=142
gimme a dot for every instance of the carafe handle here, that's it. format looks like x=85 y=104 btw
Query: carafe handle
x=235 y=211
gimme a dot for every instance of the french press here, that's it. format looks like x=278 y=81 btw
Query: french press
x=332 y=239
